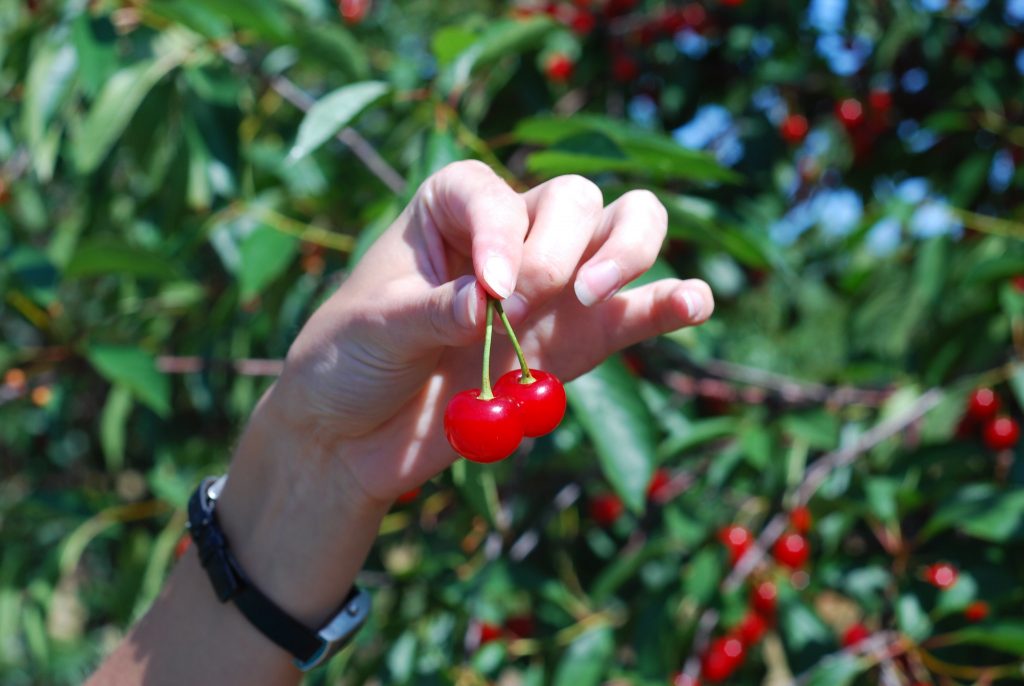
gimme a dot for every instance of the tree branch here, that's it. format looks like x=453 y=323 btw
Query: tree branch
x=302 y=100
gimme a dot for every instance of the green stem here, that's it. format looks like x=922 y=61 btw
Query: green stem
x=485 y=379
x=526 y=377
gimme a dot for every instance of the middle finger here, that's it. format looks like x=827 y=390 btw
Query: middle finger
x=565 y=212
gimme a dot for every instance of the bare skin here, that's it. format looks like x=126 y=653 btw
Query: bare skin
x=354 y=420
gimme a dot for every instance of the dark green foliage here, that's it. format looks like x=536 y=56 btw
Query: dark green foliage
x=169 y=218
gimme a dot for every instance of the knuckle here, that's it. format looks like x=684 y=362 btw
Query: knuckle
x=549 y=273
x=645 y=202
x=462 y=167
x=581 y=190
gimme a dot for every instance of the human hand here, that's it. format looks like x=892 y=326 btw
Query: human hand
x=369 y=375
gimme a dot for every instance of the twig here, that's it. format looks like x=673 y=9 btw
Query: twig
x=359 y=146
x=170 y=364
x=786 y=388
x=526 y=542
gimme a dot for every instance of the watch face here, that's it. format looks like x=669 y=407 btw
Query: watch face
x=352 y=616
x=339 y=631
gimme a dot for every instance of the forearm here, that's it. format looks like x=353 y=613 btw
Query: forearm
x=300 y=531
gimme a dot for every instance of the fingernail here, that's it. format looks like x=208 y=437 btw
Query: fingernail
x=597 y=282
x=515 y=307
x=694 y=305
x=466 y=302
x=498 y=275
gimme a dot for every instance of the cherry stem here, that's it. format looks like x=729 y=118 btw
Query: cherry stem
x=526 y=377
x=485 y=379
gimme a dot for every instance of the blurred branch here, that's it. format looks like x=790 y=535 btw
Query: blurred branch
x=990 y=225
x=348 y=136
x=787 y=389
x=169 y=364
x=879 y=648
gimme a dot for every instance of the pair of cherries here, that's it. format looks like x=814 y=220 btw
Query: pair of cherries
x=487 y=425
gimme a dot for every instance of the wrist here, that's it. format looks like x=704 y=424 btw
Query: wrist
x=298 y=524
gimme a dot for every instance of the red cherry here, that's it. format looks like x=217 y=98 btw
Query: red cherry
x=983 y=403
x=184 y=543
x=855 y=634
x=1018 y=282
x=520 y=626
x=408 y=496
x=606 y=508
x=765 y=598
x=541 y=403
x=672 y=21
x=976 y=611
x=941 y=575
x=616 y=8
x=354 y=11
x=625 y=68
x=737 y=539
x=800 y=519
x=850 y=113
x=880 y=100
x=791 y=550
x=752 y=629
x=582 y=22
x=723 y=657
x=794 y=129
x=1001 y=433
x=489 y=632
x=483 y=430
x=695 y=15
x=659 y=480
x=559 y=68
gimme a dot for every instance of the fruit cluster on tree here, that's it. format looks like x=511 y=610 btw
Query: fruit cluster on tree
x=823 y=484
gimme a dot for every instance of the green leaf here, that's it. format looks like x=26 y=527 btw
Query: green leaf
x=113 y=423
x=802 y=628
x=587 y=659
x=698 y=432
x=265 y=254
x=696 y=219
x=501 y=39
x=334 y=45
x=1007 y=636
x=449 y=41
x=265 y=19
x=912 y=619
x=638 y=151
x=701 y=575
x=476 y=484
x=609 y=407
x=980 y=511
x=333 y=112
x=120 y=98
x=996 y=268
x=134 y=369
x=104 y=257
x=881 y=492
x=49 y=79
x=836 y=670
x=819 y=428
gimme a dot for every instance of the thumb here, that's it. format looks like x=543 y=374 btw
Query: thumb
x=451 y=314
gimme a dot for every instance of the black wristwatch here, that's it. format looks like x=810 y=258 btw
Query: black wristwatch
x=310 y=648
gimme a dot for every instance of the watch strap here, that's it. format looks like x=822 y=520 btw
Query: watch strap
x=231 y=584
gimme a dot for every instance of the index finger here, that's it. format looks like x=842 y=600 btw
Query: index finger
x=474 y=211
